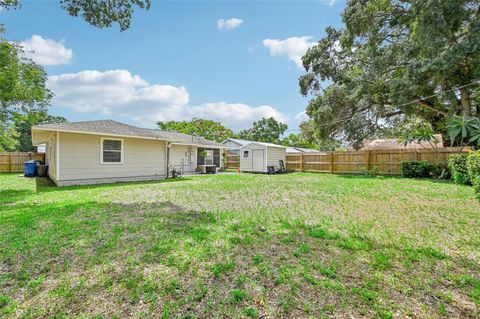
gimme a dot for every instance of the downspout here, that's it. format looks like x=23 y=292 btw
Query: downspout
x=168 y=157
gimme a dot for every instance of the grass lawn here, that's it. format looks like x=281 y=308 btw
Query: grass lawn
x=229 y=246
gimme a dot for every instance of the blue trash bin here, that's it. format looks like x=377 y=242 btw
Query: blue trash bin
x=30 y=168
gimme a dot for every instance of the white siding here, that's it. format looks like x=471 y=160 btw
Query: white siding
x=246 y=164
x=274 y=155
x=80 y=160
x=183 y=158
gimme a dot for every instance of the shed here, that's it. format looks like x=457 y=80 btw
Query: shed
x=257 y=156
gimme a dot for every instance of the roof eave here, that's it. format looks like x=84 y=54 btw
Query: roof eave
x=103 y=133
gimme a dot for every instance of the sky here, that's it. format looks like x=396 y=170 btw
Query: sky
x=229 y=61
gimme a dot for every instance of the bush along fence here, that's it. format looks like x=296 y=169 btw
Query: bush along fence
x=384 y=162
x=12 y=162
x=465 y=170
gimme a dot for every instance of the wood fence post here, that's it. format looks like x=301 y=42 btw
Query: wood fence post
x=10 y=163
x=367 y=160
x=331 y=162
x=301 y=162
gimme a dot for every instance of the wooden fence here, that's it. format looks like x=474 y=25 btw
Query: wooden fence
x=385 y=162
x=12 y=162
x=233 y=161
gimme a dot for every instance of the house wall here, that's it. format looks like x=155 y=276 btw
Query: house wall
x=183 y=158
x=274 y=155
x=79 y=160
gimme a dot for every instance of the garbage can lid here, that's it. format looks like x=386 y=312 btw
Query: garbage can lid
x=31 y=161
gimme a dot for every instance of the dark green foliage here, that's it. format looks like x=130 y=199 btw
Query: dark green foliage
x=416 y=169
x=473 y=166
x=266 y=130
x=208 y=129
x=458 y=166
x=102 y=14
x=394 y=60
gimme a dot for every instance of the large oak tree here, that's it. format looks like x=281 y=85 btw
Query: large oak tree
x=394 y=60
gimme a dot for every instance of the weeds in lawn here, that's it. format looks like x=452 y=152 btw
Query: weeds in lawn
x=295 y=245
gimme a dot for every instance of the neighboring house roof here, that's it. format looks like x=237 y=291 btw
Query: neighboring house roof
x=114 y=128
x=237 y=141
x=264 y=144
x=394 y=144
x=301 y=150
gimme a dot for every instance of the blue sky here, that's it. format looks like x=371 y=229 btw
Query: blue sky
x=175 y=62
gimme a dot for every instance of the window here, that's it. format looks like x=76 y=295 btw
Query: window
x=111 y=151
x=245 y=154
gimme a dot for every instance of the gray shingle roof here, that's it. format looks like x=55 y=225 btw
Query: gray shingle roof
x=121 y=129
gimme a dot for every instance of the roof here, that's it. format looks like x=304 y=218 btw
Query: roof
x=264 y=144
x=394 y=144
x=238 y=141
x=301 y=150
x=110 y=127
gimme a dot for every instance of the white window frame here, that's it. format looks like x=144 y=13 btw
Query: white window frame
x=245 y=152
x=121 y=150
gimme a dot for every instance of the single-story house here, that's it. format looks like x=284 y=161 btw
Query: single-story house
x=107 y=151
x=235 y=144
x=258 y=156
x=301 y=150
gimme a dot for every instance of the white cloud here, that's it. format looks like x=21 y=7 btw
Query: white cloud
x=294 y=47
x=46 y=51
x=228 y=24
x=119 y=93
x=301 y=117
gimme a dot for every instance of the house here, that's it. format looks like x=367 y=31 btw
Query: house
x=388 y=144
x=258 y=156
x=235 y=144
x=107 y=151
x=301 y=150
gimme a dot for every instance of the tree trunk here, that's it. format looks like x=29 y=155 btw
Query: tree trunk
x=465 y=100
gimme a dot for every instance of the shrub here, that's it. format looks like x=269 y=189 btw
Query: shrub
x=416 y=169
x=458 y=166
x=473 y=166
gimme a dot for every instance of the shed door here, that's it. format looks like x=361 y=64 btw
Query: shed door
x=258 y=160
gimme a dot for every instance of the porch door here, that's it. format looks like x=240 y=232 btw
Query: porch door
x=258 y=160
x=209 y=158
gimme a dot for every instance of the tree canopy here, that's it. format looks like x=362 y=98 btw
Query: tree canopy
x=208 y=129
x=266 y=130
x=393 y=60
x=22 y=91
x=99 y=13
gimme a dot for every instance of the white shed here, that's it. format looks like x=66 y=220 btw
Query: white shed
x=257 y=156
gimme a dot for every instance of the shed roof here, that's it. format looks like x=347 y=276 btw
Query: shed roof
x=264 y=144
x=110 y=127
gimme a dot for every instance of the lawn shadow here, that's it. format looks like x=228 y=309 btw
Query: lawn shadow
x=45 y=184
x=8 y=196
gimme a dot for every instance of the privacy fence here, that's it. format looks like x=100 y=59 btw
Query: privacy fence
x=386 y=162
x=12 y=162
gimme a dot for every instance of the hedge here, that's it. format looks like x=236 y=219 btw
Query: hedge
x=457 y=163
x=473 y=166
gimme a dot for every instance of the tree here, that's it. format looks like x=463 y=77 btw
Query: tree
x=23 y=122
x=99 y=13
x=22 y=90
x=394 y=58
x=208 y=129
x=297 y=140
x=266 y=130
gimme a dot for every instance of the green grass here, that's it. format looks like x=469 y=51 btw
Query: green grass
x=285 y=246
